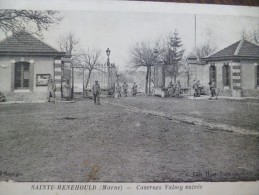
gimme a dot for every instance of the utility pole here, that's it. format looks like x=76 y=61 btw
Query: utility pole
x=83 y=83
x=195 y=31
x=72 y=89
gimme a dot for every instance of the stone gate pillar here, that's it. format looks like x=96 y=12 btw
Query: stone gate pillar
x=236 y=79
x=66 y=72
x=57 y=77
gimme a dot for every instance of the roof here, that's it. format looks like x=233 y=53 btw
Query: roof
x=25 y=43
x=242 y=49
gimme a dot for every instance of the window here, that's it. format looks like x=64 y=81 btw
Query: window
x=22 y=75
x=226 y=75
x=213 y=72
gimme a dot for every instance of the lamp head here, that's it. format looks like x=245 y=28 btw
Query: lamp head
x=108 y=51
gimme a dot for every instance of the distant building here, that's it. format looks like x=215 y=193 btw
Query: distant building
x=235 y=69
x=26 y=64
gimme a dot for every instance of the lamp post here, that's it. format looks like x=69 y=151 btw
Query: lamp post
x=108 y=51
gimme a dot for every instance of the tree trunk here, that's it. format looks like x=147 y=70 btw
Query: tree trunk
x=163 y=75
x=188 y=79
x=149 y=83
x=83 y=83
x=174 y=78
x=147 y=75
x=88 y=78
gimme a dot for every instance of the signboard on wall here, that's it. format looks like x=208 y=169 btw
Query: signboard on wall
x=42 y=79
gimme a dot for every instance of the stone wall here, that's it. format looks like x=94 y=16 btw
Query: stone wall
x=27 y=97
x=250 y=93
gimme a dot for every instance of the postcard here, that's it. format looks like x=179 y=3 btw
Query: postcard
x=124 y=97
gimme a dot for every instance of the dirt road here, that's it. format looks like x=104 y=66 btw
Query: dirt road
x=129 y=140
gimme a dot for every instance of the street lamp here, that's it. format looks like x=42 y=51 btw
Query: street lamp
x=108 y=51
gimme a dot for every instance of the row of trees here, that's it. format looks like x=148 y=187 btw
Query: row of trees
x=168 y=53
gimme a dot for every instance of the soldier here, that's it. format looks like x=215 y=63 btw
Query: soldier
x=134 y=89
x=51 y=90
x=118 y=90
x=2 y=97
x=212 y=85
x=65 y=90
x=96 y=89
x=196 y=87
x=125 y=89
x=178 y=89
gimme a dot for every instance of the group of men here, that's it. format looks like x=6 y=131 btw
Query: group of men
x=174 y=90
x=124 y=87
x=52 y=90
x=198 y=88
x=96 y=90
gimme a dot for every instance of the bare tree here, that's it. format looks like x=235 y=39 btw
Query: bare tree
x=67 y=43
x=205 y=50
x=143 y=55
x=252 y=36
x=89 y=60
x=202 y=51
x=34 y=22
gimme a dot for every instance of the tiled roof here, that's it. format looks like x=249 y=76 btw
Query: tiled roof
x=240 y=49
x=26 y=43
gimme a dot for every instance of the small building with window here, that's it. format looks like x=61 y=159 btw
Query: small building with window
x=26 y=64
x=235 y=69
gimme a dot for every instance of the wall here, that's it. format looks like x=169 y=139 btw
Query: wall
x=5 y=74
x=38 y=65
x=248 y=74
x=42 y=65
x=248 y=77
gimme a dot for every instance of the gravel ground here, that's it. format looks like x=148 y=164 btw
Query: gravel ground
x=115 y=142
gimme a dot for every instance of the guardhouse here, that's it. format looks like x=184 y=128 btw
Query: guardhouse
x=26 y=64
x=235 y=69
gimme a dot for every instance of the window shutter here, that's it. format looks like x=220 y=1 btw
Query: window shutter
x=257 y=76
x=229 y=76
x=224 y=75
x=215 y=75
x=210 y=73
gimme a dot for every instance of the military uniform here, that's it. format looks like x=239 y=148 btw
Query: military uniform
x=96 y=89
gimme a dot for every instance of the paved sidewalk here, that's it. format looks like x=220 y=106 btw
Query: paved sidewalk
x=33 y=102
x=206 y=97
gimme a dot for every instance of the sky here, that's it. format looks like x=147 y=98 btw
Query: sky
x=120 y=30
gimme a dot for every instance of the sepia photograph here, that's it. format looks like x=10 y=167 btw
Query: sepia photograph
x=128 y=96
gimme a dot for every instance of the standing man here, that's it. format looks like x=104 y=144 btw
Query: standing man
x=125 y=89
x=178 y=89
x=196 y=87
x=212 y=85
x=118 y=90
x=51 y=90
x=134 y=89
x=65 y=89
x=96 y=92
x=2 y=97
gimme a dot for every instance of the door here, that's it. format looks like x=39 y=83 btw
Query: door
x=22 y=75
x=213 y=73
